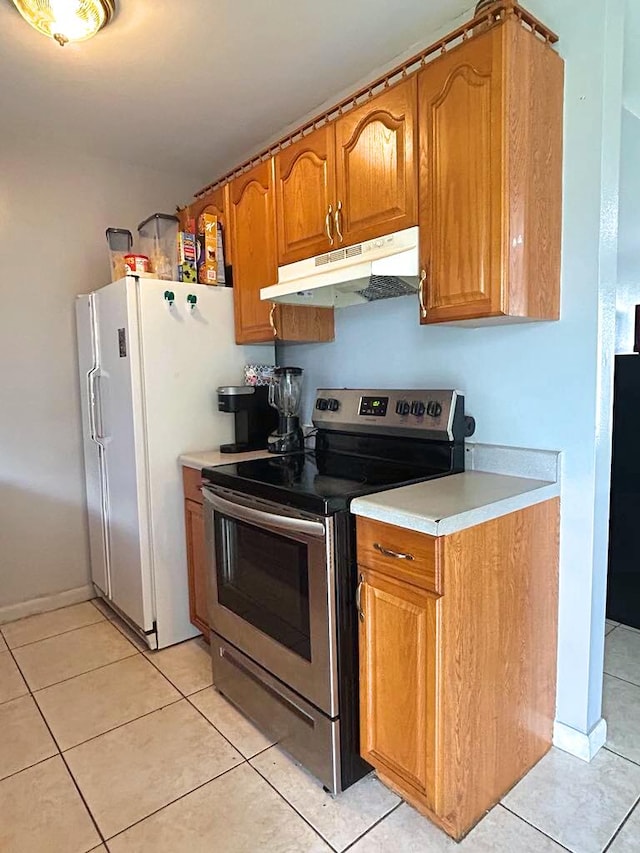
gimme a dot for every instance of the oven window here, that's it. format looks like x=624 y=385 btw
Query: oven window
x=264 y=578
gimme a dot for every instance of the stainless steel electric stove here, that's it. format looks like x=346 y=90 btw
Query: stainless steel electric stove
x=282 y=572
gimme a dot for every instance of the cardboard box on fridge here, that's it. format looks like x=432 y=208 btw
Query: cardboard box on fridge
x=208 y=248
x=187 y=253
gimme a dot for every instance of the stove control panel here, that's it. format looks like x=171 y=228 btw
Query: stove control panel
x=426 y=413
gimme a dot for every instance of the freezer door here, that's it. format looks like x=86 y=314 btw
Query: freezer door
x=94 y=463
x=188 y=351
x=120 y=431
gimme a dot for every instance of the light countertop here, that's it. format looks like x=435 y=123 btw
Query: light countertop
x=211 y=458
x=449 y=504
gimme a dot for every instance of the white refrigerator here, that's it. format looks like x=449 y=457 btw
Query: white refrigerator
x=151 y=355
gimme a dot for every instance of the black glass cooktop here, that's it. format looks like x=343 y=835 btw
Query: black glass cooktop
x=321 y=481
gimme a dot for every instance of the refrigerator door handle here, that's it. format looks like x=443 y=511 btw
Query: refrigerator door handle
x=91 y=388
x=100 y=436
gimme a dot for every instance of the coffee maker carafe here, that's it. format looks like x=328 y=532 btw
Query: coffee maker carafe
x=285 y=391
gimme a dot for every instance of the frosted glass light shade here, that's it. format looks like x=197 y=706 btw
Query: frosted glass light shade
x=66 y=20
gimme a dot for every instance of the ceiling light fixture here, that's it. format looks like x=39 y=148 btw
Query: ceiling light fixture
x=67 y=20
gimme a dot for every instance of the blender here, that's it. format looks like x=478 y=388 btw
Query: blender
x=284 y=395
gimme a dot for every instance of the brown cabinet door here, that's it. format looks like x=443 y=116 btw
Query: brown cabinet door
x=375 y=166
x=196 y=566
x=461 y=132
x=397 y=681
x=305 y=196
x=255 y=263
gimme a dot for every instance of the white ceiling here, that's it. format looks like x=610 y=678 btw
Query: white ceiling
x=198 y=85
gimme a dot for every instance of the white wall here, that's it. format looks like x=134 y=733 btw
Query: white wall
x=543 y=385
x=628 y=291
x=54 y=208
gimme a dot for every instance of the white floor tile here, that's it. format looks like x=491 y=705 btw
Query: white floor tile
x=237 y=813
x=43 y=625
x=622 y=654
x=246 y=738
x=621 y=710
x=340 y=820
x=95 y=702
x=628 y=839
x=407 y=831
x=132 y=771
x=12 y=684
x=42 y=812
x=58 y=658
x=580 y=805
x=24 y=737
x=187 y=665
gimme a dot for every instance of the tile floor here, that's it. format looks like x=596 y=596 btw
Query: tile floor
x=106 y=746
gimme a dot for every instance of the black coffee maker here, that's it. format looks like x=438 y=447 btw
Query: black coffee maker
x=284 y=395
x=254 y=417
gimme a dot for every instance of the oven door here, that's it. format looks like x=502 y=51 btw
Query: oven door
x=272 y=590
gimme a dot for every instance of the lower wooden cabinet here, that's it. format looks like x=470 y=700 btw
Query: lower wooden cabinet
x=398 y=640
x=196 y=554
x=457 y=691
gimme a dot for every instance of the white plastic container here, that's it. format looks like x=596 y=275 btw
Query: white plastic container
x=159 y=241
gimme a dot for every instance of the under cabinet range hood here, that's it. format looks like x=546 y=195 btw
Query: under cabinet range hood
x=375 y=269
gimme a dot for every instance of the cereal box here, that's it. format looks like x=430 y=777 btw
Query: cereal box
x=187 y=270
x=208 y=248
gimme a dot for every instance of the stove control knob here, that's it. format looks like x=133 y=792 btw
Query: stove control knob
x=434 y=409
x=402 y=407
x=322 y=404
x=417 y=408
x=333 y=404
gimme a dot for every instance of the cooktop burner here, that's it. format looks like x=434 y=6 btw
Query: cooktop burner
x=366 y=441
x=318 y=481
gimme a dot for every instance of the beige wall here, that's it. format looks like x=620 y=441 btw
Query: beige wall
x=54 y=208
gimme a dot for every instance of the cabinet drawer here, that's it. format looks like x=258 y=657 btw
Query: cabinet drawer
x=192 y=480
x=379 y=542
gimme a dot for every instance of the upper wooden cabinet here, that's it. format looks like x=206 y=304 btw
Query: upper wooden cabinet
x=351 y=180
x=255 y=261
x=255 y=265
x=490 y=115
x=215 y=202
x=376 y=166
x=305 y=196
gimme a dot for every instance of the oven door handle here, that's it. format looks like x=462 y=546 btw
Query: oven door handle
x=266 y=519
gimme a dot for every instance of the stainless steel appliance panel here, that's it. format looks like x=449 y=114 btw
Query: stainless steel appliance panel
x=296 y=726
x=272 y=590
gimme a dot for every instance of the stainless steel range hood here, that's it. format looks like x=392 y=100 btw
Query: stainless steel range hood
x=375 y=269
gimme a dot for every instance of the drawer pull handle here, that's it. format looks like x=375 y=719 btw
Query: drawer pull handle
x=389 y=553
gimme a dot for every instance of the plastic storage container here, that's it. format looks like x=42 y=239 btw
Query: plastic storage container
x=159 y=241
x=120 y=242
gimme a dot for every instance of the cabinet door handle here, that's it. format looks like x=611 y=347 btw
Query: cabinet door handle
x=272 y=321
x=328 y=223
x=398 y=555
x=359 y=598
x=423 y=284
x=338 y=220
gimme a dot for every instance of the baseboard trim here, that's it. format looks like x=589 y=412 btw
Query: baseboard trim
x=582 y=745
x=10 y=612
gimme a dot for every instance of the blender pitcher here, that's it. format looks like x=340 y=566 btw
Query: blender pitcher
x=285 y=392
